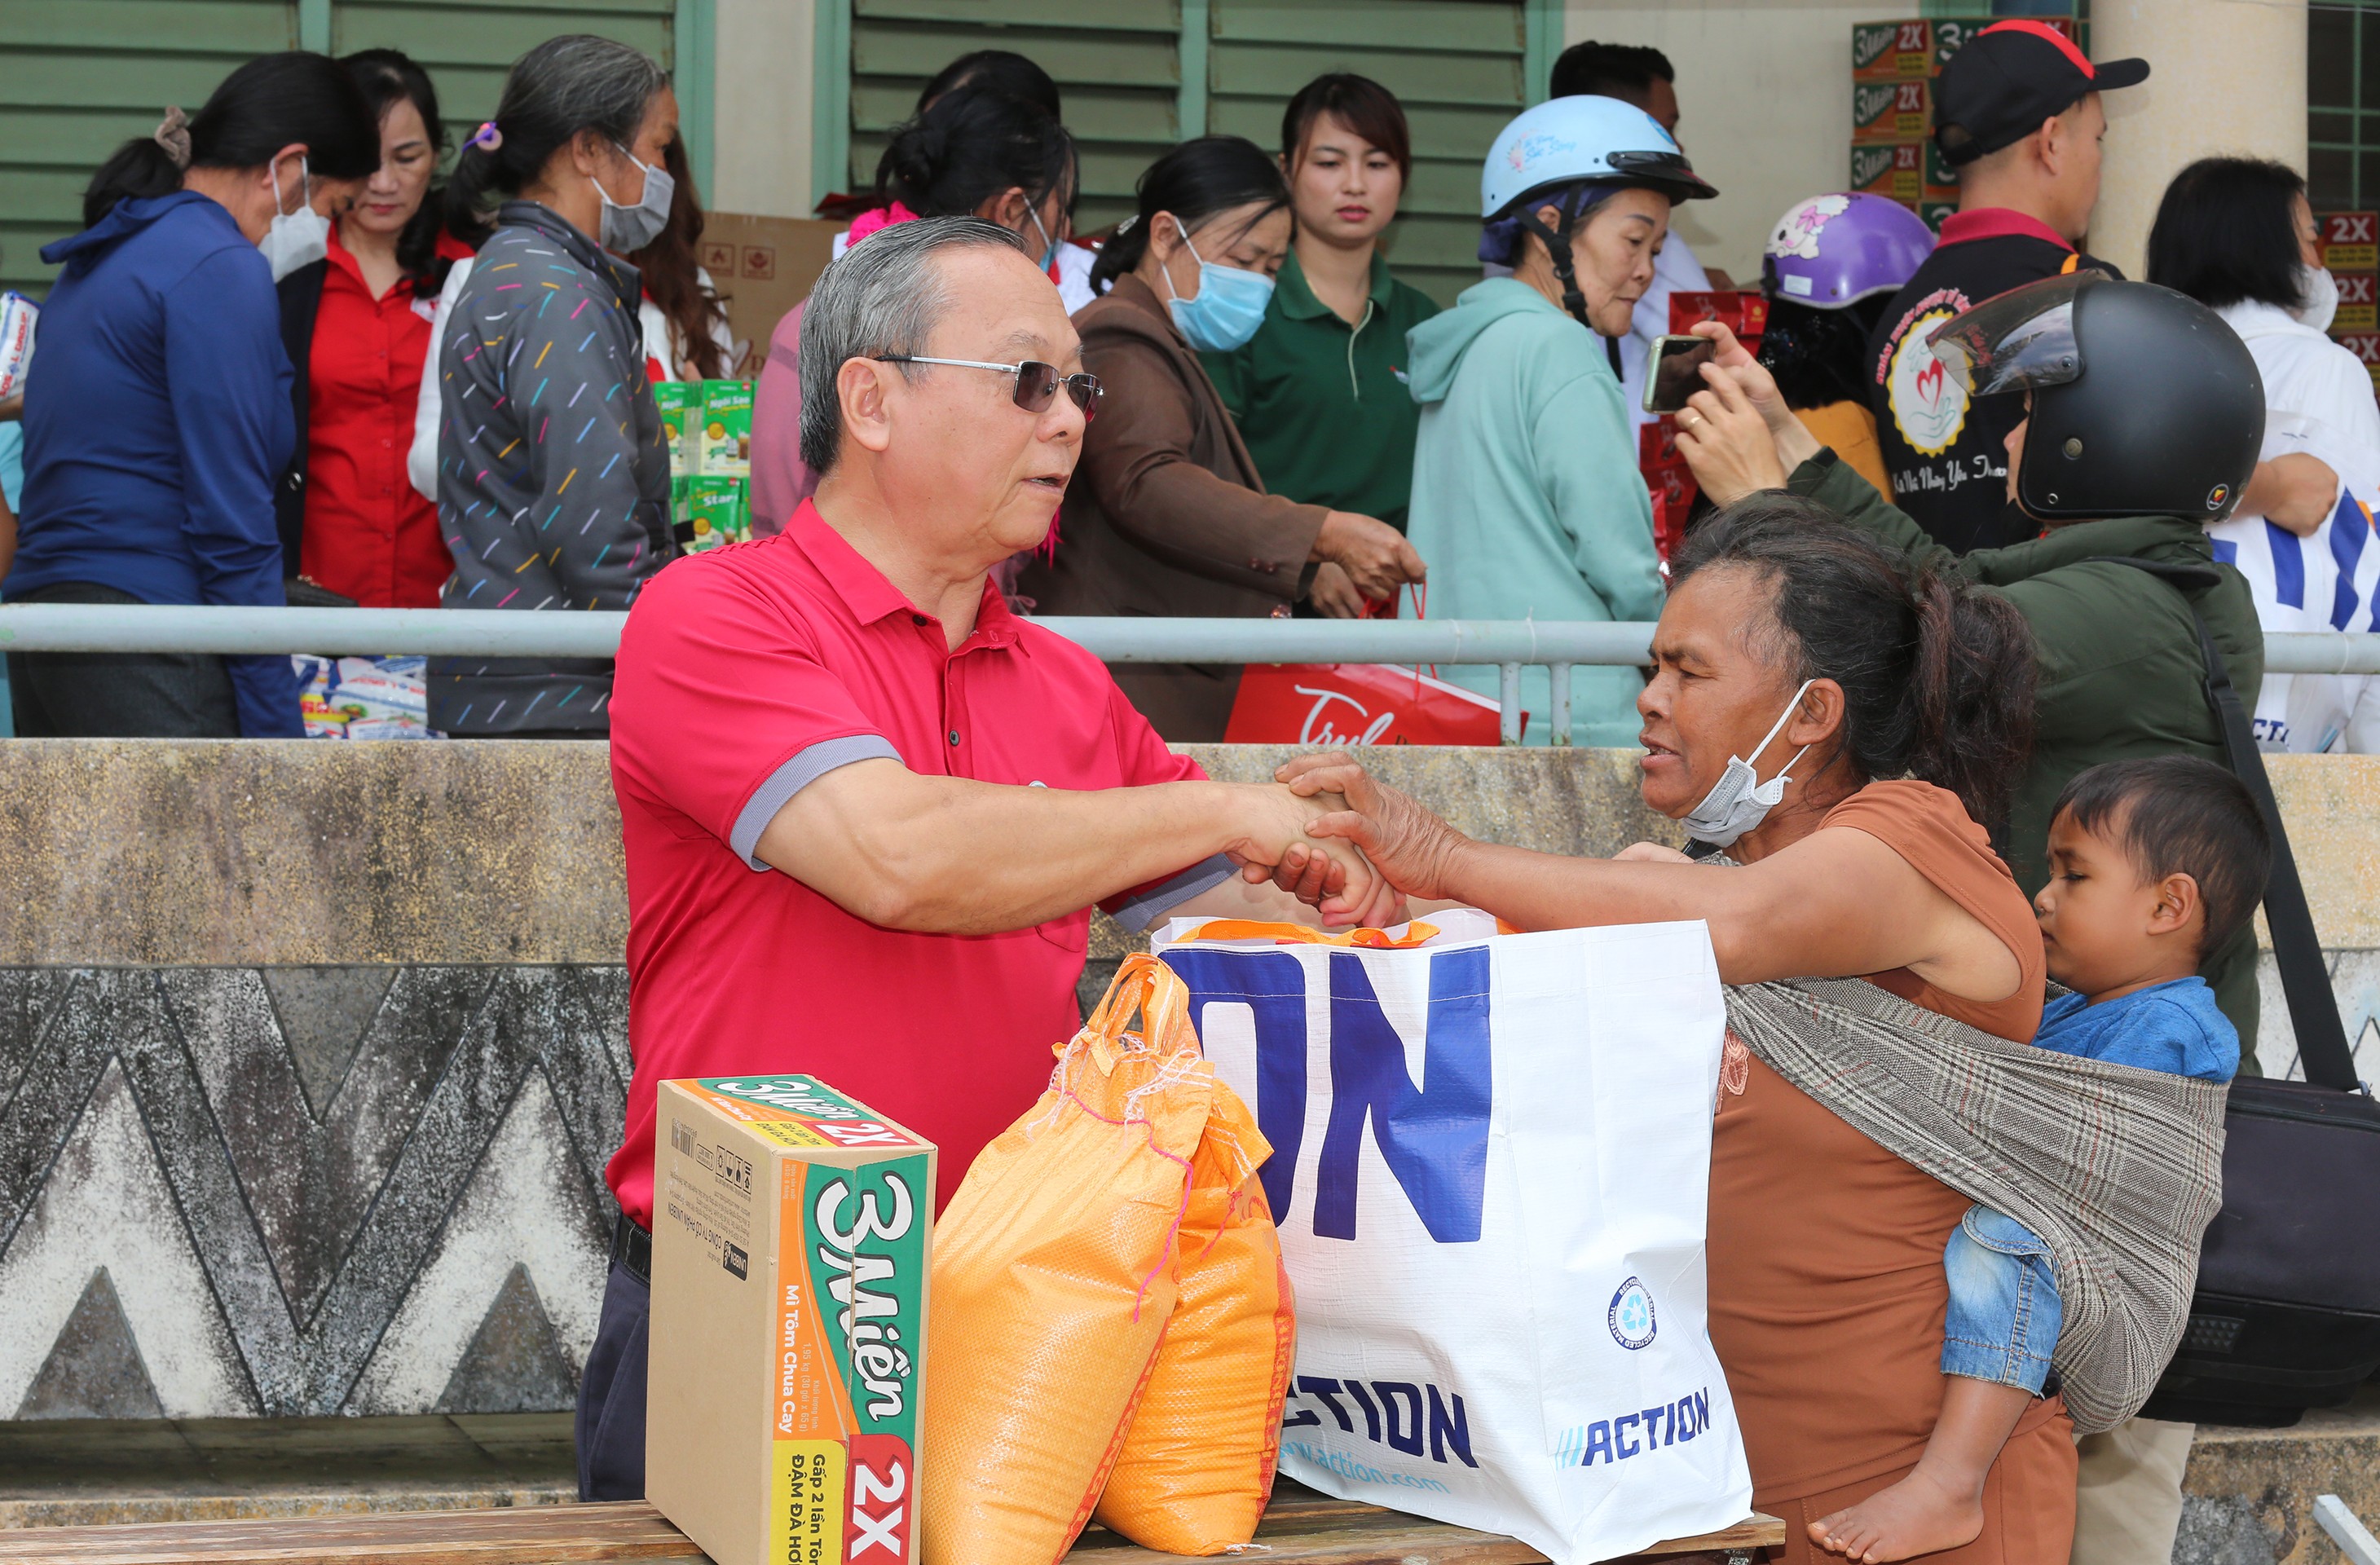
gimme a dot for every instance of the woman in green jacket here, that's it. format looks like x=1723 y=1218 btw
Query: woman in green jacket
x=1526 y=499
x=1320 y=392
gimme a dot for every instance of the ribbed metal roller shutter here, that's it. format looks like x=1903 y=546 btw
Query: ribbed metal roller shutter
x=78 y=79
x=1458 y=67
x=466 y=46
x=77 y=76
x=1118 y=65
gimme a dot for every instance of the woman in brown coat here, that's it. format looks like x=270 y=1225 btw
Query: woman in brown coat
x=1167 y=515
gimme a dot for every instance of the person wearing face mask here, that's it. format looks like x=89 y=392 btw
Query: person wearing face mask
x=2237 y=234
x=355 y=326
x=553 y=480
x=2137 y=419
x=974 y=151
x=1169 y=515
x=1526 y=499
x=158 y=412
x=1320 y=392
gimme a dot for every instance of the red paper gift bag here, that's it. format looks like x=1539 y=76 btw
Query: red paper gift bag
x=1330 y=704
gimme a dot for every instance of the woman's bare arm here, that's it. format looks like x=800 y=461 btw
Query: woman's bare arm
x=1838 y=904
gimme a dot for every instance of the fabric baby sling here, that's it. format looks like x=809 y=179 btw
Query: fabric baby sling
x=2117 y=1170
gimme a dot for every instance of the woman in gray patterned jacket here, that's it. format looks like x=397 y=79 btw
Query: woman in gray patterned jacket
x=553 y=478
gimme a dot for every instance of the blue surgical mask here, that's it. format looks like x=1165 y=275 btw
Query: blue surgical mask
x=626 y=228
x=1049 y=245
x=1229 y=306
x=1739 y=800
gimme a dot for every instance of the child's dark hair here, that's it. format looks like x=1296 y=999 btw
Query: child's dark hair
x=2179 y=815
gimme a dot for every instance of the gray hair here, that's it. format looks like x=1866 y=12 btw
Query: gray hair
x=562 y=87
x=885 y=296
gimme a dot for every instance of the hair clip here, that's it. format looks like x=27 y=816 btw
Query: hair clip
x=487 y=138
x=173 y=133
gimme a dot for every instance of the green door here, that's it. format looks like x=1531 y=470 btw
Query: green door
x=466 y=46
x=1118 y=65
x=77 y=76
x=1459 y=66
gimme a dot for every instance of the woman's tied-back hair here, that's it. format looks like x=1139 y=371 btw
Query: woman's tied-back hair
x=1937 y=676
x=1194 y=182
x=564 y=86
x=970 y=147
x=261 y=107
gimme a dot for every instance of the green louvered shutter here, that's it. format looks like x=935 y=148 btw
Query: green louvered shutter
x=1117 y=63
x=1457 y=66
x=79 y=77
x=468 y=45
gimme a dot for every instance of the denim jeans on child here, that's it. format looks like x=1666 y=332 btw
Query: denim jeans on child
x=2004 y=1315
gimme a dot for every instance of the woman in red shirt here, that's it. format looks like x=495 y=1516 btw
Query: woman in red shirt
x=356 y=326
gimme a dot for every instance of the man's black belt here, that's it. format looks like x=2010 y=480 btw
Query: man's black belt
x=632 y=1247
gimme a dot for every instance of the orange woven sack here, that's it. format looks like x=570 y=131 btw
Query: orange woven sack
x=1054 y=1277
x=1196 y=1466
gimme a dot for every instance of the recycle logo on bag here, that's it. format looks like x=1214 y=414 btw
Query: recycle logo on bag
x=1631 y=1316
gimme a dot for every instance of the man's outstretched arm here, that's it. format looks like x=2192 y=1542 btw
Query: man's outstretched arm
x=952 y=855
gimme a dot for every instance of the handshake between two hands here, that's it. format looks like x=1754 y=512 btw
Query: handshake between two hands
x=1342 y=842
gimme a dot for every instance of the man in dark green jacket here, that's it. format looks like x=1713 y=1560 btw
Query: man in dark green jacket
x=2121 y=676
x=2136 y=407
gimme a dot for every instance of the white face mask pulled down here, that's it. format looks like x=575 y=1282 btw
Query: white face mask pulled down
x=1739 y=800
x=295 y=239
x=2321 y=291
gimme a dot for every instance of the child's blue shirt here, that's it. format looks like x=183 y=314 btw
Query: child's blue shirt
x=2172 y=1027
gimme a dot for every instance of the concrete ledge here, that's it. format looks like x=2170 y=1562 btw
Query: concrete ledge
x=2248 y=1497
x=180 y=853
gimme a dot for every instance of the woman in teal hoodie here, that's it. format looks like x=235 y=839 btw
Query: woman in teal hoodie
x=1527 y=500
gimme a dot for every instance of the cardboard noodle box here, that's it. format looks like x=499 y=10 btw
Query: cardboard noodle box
x=1891 y=111
x=792 y=1238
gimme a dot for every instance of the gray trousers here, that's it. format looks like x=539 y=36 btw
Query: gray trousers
x=117 y=695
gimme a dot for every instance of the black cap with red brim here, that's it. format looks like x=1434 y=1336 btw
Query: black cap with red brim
x=2010 y=78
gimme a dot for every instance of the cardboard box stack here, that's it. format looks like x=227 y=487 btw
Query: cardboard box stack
x=791 y=1242
x=2350 y=252
x=1893 y=67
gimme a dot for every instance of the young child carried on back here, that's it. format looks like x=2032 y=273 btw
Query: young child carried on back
x=2152 y=863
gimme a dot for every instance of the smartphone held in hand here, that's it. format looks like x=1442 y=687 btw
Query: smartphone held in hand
x=1675 y=371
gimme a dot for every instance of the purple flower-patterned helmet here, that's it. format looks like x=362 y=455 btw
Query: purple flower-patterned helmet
x=1831 y=251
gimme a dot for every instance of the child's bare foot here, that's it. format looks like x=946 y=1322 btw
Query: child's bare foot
x=1918 y=1515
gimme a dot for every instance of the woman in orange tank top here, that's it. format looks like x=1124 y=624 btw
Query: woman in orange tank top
x=1877 y=722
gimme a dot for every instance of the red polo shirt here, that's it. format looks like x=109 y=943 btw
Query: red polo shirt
x=745 y=675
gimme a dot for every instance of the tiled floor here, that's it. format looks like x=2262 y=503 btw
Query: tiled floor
x=91 y=1471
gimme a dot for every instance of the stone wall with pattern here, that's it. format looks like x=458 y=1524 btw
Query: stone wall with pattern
x=311 y=1055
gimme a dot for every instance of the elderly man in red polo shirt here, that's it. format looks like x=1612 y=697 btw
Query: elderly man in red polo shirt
x=867 y=808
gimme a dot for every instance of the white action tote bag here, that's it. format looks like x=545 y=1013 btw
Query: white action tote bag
x=1490 y=1169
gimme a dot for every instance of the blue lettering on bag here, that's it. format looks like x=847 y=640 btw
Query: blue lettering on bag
x=1433 y=1138
x=1272 y=986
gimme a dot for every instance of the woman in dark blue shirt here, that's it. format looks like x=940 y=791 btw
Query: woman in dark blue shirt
x=158 y=413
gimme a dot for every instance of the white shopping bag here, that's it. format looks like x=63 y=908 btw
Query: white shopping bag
x=1491 y=1164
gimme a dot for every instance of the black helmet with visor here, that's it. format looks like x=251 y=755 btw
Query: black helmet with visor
x=2144 y=402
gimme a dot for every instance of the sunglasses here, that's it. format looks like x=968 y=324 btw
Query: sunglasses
x=1037 y=384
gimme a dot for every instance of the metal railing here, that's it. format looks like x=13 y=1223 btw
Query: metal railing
x=1506 y=645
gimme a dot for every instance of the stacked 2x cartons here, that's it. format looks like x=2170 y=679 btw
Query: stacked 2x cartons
x=2350 y=242
x=1894 y=65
